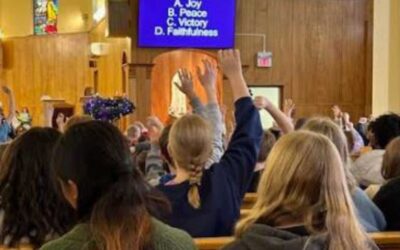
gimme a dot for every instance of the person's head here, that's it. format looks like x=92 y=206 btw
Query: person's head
x=133 y=134
x=385 y=128
x=305 y=184
x=89 y=91
x=76 y=119
x=190 y=146
x=268 y=142
x=30 y=197
x=142 y=127
x=391 y=160
x=330 y=129
x=300 y=123
x=97 y=176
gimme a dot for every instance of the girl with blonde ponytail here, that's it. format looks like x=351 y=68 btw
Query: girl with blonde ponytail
x=206 y=202
x=303 y=201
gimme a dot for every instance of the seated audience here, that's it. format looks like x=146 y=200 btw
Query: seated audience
x=367 y=168
x=303 y=200
x=369 y=215
x=113 y=202
x=206 y=202
x=32 y=208
x=268 y=142
x=387 y=198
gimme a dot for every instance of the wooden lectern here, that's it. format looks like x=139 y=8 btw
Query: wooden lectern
x=53 y=107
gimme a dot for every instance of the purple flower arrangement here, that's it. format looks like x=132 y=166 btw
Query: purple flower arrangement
x=108 y=109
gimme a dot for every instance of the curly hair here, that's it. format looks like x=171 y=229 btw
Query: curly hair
x=385 y=128
x=30 y=196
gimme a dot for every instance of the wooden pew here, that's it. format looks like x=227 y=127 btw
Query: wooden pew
x=385 y=241
x=213 y=243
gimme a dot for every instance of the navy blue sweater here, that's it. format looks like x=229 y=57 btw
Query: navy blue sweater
x=224 y=185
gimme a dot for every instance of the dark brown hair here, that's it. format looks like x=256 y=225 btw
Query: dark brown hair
x=113 y=196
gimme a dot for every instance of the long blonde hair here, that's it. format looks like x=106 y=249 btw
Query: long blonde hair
x=305 y=182
x=330 y=129
x=190 y=146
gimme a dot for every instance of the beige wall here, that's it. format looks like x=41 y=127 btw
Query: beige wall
x=16 y=17
x=75 y=16
x=394 y=60
x=386 y=64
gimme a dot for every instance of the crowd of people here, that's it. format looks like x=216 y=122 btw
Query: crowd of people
x=321 y=183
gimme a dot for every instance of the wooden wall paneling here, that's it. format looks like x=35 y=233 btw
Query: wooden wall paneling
x=50 y=65
x=329 y=56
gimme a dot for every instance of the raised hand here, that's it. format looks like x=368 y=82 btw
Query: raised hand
x=337 y=112
x=60 y=121
x=289 y=107
x=230 y=62
x=186 y=86
x=208 y=77
x=262 y=102
x=347 y=122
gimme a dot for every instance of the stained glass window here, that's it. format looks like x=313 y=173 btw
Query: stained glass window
x=45 y=16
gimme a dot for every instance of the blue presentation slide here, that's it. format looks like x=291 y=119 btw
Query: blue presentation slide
x=187 y=23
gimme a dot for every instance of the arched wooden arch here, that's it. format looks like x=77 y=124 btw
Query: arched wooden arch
x=165 y=67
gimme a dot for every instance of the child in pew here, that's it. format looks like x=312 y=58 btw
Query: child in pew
x=387 y=198
x=303 y=201
x=114 y=204
x=207 y=203
x=32 y=208
x=155 y=170
x=369 y=215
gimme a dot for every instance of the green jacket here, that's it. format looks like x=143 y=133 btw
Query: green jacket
x=164 y=238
